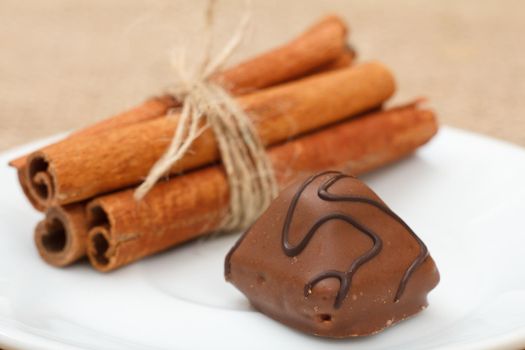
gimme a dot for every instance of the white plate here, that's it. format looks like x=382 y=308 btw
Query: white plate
x=463 y=194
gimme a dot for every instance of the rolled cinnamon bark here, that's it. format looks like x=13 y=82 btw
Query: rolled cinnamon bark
x=344 y=60
x=320 y=44
x=320 y=48
x=79 y=169
x=61 y=237
x=152 y=108
x=188 y=206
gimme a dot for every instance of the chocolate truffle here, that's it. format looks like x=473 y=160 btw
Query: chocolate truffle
x=329 y=258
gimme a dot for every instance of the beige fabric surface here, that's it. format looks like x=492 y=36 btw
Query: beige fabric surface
x=64 y=64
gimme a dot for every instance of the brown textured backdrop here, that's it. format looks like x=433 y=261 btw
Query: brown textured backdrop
x=64 y=64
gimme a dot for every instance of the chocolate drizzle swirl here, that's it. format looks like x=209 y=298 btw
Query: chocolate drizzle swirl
x=345 y=277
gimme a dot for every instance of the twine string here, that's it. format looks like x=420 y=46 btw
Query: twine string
x=206 y=104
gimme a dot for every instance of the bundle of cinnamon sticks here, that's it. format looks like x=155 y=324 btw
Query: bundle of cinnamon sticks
x=313 y=106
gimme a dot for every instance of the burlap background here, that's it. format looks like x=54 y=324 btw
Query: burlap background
x=65 y=63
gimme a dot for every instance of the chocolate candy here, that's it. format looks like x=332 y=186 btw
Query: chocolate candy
x=329 y=258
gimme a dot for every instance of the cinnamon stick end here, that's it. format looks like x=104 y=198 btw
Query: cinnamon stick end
x=25 y=188
x=55 y=244
x=99 y=249
x=17 y=163
x=40 y=180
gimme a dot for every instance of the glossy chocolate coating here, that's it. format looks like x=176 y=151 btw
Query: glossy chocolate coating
x=329 y=258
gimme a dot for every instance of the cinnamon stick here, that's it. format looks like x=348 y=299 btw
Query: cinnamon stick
x=320 y=44
x=152 y=108
x=320 y=48
x=344 y=60
x=191 y=205
x=61 y=237
x=79 y=169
